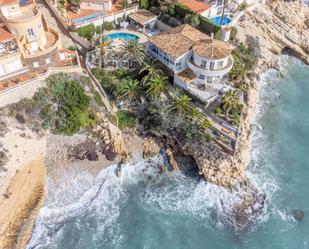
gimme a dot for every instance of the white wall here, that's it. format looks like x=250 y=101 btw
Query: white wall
x=198 y=61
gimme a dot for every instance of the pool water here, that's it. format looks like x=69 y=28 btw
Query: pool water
x=216 y=20
x=125 y=36
x=87 y=18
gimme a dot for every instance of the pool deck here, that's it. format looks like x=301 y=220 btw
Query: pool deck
x=142 y=38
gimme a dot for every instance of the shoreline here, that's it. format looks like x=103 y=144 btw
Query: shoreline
x=26 y=193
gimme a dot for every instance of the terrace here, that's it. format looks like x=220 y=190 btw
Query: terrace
x=23 y=15
x=8 y=47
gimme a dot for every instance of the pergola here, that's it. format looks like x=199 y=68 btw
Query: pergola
x=144 y=19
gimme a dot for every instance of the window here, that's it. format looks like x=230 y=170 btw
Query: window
x=219 y=2
x=178 y=65
x=203 y=64
x=1 y=70
x=31 y=33
x=212 y=65
x=201 y=76
x=47 y=60
x=35 y=64
x=220 y=64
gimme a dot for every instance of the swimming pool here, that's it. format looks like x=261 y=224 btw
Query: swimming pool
x=87 y=18
x=216 y=20
x=121 y=35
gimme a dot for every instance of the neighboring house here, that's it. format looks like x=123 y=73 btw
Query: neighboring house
x=26 y=41
x=200 y=64
x=145 y=20
x=105 y=5
x=207 y=8
x=10 y=56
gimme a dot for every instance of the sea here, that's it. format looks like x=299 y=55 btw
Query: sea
x=142 y=209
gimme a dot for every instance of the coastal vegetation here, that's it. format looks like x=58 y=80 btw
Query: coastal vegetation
x=62 y=106
x=174 y=14
x=125 y=119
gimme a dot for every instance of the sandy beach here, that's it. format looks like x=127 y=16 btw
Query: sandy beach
x=24 y=193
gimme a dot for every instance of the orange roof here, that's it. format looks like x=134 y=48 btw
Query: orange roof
x=195 y=6
x=8 y=2
x=5 y=34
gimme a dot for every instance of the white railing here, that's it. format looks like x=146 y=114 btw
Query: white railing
x=106 y=18
x=207 y=72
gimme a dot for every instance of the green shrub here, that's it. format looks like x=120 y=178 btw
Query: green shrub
x=233 y=33
x=243 y=6
x=144 y=4
x=126 y=119
x=205 y=24
x=87 y=31
x=108 y=26
x=72 y=48
x=98 y=99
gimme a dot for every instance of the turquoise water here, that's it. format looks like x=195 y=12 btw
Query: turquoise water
x=87 y=18
x=217 y=20
x=142 y=209
x=125 y=36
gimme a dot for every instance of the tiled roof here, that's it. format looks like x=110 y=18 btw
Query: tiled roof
x=187 y=75
x=177 y=41
x=5 y=34
x=142 y=16
x=212 y=49
x=8 y=2
x=195 y=6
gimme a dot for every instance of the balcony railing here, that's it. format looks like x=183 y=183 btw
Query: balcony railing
x=211 y=72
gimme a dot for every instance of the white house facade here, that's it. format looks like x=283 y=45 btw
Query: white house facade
x=200 y=64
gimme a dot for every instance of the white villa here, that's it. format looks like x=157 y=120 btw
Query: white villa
x=200 y=64
x=207 y=8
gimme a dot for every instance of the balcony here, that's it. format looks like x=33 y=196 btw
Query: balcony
x=53 y=42
x=26 y=14
x=8 y=48
x=208 y=72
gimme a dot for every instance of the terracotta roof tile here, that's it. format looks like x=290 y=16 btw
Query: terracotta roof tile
x=177 y=41
x=142 y=16
x=8 y=2
x=5 y=34
x=195 y=6
x=212 y=49
x=187 y=75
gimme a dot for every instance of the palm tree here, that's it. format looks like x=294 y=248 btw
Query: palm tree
x=104 y=49
x=153 y=70
x=129 y=90
x=134 y=51
x=155 y=86
x=181 y=104
x=194 y=113
x=230 y=102
x=206 y=123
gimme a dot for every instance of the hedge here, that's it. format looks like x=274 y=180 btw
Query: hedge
x=205 y=24
x=87 y=31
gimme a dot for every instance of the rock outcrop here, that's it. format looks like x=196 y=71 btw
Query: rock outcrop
x=150 y=148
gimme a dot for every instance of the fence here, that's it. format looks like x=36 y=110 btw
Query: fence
x=27 y=88
x=97 y=21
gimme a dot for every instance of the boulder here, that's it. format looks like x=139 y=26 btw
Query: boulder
x=298 y=214
x=116 y=139
x=150 y=148
x=171 y=159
